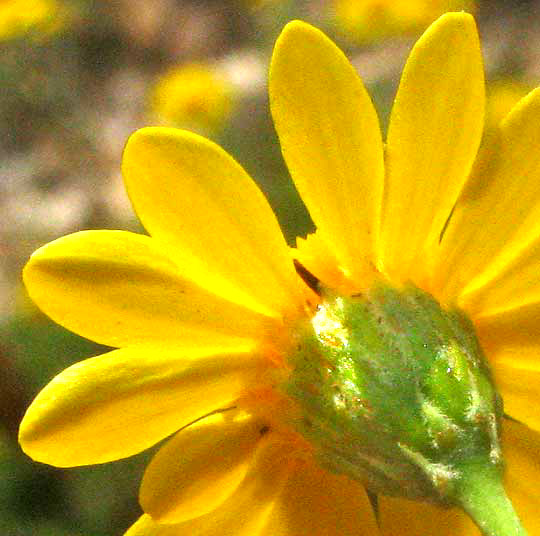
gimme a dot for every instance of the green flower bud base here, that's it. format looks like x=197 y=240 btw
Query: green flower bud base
x=395 y=392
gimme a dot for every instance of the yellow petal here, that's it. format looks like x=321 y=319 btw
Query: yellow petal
x=315 y=255
x=518 y=381
x=512 y=330
x=434 y=132
x=194 y=197
x=120 y=288
x=145 y=526
x=497 y=216
x=521 y=449
x=199 y=468
x=330 y=139
x=399 y=517
x=117 y=404
x=315 y=502
x=511 y=342
x=510 y=287
x=244 y=512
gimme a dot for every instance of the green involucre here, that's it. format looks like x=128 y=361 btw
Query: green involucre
x=395 y=392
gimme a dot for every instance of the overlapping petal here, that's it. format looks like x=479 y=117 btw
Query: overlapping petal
x=117 y=404
x=512 y=345
x=497 y=217
x=331 y=142
x=193 y=197
x=414 y=518
x=199 y=468
x=517 y=376
x=510 y=330
x=315 y=502
x=515 y=285
x=520 y=448
x=120 y=288
x=245 y=511
x=434 y=132
x=315 y=255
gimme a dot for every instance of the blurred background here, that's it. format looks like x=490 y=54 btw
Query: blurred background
x=76 y=78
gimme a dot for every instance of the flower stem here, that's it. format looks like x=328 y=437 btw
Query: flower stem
x=481 y=494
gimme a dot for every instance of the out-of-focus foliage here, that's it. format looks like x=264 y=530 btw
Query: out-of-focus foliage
x=77 y=77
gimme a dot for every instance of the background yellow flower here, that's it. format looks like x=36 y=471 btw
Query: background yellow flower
x=195 y=96
x=366 y=21
x=34 y=18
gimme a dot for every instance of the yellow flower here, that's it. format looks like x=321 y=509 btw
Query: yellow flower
x=39 y=17
x=193 y=96
x=371 y=20
x=208 y=310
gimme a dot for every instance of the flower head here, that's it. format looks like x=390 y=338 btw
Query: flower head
x=425 y=255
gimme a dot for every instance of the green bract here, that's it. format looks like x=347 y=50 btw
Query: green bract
x=395 y=392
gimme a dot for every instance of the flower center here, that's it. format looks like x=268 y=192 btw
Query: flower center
x=394 y=391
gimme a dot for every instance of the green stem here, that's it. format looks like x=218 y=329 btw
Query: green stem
x=481 y=494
